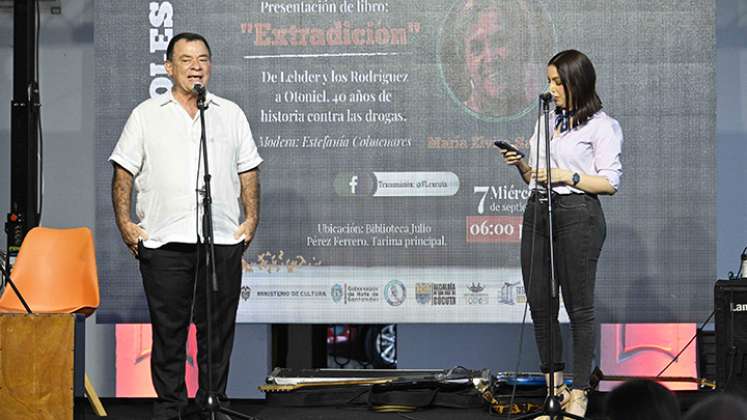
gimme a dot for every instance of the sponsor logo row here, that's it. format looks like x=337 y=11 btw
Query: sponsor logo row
x=395 y=293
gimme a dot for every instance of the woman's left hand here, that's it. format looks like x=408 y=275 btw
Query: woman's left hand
x=559 y=175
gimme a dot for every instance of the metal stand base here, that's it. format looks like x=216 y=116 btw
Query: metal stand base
x=553 y=410
x=213 y=411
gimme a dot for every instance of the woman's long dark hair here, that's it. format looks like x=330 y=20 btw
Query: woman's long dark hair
x=579 y=83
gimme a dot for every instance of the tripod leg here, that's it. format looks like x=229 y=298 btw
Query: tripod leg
x=530 y=416
x=236 y=414
x=93 y=398
x=565 y=415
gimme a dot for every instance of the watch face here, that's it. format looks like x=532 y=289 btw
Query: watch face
x=576 y=178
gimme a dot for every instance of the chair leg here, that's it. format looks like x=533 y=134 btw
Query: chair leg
x=93 y=398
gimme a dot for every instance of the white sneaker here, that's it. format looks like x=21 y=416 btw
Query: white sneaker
x=577 y=402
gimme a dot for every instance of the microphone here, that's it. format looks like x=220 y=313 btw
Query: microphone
x=198 y=89
x=545 y=97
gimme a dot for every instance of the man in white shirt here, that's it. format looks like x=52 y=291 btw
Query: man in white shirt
x=159 y=152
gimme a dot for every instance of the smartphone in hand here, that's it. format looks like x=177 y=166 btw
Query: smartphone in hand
x=509 y=147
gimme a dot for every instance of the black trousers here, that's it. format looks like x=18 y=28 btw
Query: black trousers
x=579 y=231
x=169 y=275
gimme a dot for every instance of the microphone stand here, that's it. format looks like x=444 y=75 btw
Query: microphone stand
x=552 y=407
x=211 y=279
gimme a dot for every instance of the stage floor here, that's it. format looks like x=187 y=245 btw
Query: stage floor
x=127 y=409
x=137 y=409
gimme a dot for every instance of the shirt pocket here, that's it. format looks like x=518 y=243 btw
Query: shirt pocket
x=223 y=157
x=221 y=150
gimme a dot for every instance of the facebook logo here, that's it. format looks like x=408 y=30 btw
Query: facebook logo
x=348 y=184
x=353 y=184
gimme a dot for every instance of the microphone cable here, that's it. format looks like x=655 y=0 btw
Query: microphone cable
x=198 y=242
x=33 y=94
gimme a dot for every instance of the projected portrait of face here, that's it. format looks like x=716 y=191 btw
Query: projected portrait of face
x=492 y=55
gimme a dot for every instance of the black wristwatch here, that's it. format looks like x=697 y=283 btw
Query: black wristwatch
x=575 y=178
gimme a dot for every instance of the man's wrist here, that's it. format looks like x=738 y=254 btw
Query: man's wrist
x=122 y=224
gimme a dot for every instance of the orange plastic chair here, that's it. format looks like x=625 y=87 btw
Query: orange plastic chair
x=55 y=272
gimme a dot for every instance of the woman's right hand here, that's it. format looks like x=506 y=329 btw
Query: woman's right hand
x=510 y=158
x=514 y=159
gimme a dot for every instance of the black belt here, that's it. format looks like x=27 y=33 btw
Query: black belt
x=541 y=195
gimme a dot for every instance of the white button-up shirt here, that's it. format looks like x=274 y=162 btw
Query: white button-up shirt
x=160 y=146
x=593 y=148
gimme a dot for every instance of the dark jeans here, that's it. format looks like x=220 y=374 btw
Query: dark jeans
x=169 y=280
x=579 y=230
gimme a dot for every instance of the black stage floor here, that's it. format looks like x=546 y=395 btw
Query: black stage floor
x=137 y=409
x=127 y=409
